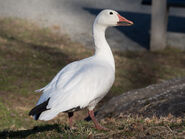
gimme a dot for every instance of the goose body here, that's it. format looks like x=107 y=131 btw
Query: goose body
x=82 y=84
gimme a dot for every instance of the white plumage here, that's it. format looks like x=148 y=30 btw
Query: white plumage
x=82 y=83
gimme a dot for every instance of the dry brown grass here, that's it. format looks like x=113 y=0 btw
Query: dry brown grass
x=31 y=56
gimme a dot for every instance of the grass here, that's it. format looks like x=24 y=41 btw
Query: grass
x=30 y=57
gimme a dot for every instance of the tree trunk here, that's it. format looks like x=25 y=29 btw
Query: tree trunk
x=159 y=25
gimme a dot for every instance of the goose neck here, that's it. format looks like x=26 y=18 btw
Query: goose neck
x=102 y=49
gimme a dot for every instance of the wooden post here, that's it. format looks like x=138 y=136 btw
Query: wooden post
x=158 y=25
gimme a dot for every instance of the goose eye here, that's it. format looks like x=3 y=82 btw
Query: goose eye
x=111 y=13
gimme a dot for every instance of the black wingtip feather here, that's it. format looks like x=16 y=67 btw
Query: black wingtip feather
x=37 y=110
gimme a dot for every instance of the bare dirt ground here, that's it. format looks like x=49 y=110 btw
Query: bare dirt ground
x=75 y=18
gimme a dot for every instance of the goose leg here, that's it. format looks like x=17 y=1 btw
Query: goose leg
x=97 y=125
x=70 y=115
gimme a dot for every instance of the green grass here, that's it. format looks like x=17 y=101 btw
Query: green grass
x=31 y=56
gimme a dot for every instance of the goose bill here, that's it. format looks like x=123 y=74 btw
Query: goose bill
x=123 y=21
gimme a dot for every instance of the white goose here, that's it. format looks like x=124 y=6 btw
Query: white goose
x=82 y=83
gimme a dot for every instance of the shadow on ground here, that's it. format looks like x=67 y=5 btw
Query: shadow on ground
x=26 y=133
x=140 y=31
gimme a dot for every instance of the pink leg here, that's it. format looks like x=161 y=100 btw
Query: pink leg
x=97 y=125
x=70 y=115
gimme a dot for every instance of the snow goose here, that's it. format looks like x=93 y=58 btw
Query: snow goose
x=82 y=84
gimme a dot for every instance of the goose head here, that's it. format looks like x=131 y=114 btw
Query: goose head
x=108 y=18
